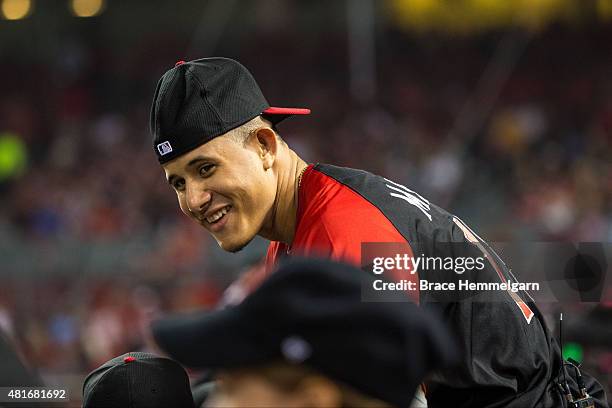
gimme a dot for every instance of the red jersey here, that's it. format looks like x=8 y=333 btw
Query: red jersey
x=502 y=335
x=333 y=221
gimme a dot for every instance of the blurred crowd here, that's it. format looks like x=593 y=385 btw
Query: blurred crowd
x=95 y=243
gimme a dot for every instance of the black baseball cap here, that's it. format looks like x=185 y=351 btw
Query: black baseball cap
x=310 y=312
x=199 y=100
x=138 y=380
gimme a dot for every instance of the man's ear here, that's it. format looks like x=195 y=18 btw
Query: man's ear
x=265 y=142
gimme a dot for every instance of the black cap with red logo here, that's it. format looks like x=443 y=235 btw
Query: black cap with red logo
x=138 y=380
x=199 y=100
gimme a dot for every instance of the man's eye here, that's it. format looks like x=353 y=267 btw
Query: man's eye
x=206 y=169
x=178 y=184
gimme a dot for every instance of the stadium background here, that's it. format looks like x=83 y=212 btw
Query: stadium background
x=499 y=111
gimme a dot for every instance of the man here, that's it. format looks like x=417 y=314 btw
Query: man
x=305 y=338
x=214 y=134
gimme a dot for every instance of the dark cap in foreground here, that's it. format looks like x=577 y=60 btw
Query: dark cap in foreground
x=310 y=312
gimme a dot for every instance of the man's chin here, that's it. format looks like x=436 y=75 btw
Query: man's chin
x=234 y=247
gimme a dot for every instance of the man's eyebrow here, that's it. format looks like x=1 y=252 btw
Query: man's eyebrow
x=197 y=159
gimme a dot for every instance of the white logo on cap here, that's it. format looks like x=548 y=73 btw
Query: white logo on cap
x=296 y=349
x=164 y=148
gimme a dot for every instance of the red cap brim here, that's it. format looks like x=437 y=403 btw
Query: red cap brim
x=272 y=110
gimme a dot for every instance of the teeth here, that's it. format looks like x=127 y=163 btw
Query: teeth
x=216 y=216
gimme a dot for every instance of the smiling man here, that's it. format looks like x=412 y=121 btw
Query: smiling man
x=241 y=184
x=212 y=189
x=214 y=134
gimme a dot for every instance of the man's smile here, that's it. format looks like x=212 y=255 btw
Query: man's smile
x=216 y=219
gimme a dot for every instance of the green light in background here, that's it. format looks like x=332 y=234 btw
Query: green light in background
x=573 y=350
x=13 y=156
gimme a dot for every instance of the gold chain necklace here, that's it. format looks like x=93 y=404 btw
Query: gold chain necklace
x=300 y=176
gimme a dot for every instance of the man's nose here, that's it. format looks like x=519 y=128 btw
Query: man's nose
x=198 y=198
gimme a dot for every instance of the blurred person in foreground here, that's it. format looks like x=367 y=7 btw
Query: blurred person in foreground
x=13 y=370
x=138 y=380
x=215 y=135
x=15 y=373
x=305 y=338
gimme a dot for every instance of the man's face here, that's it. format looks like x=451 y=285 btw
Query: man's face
x=224 y=186
x=248 y=389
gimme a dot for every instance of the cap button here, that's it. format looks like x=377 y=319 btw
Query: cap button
x=129 y=359
x=181 y=62
x=296 y=349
